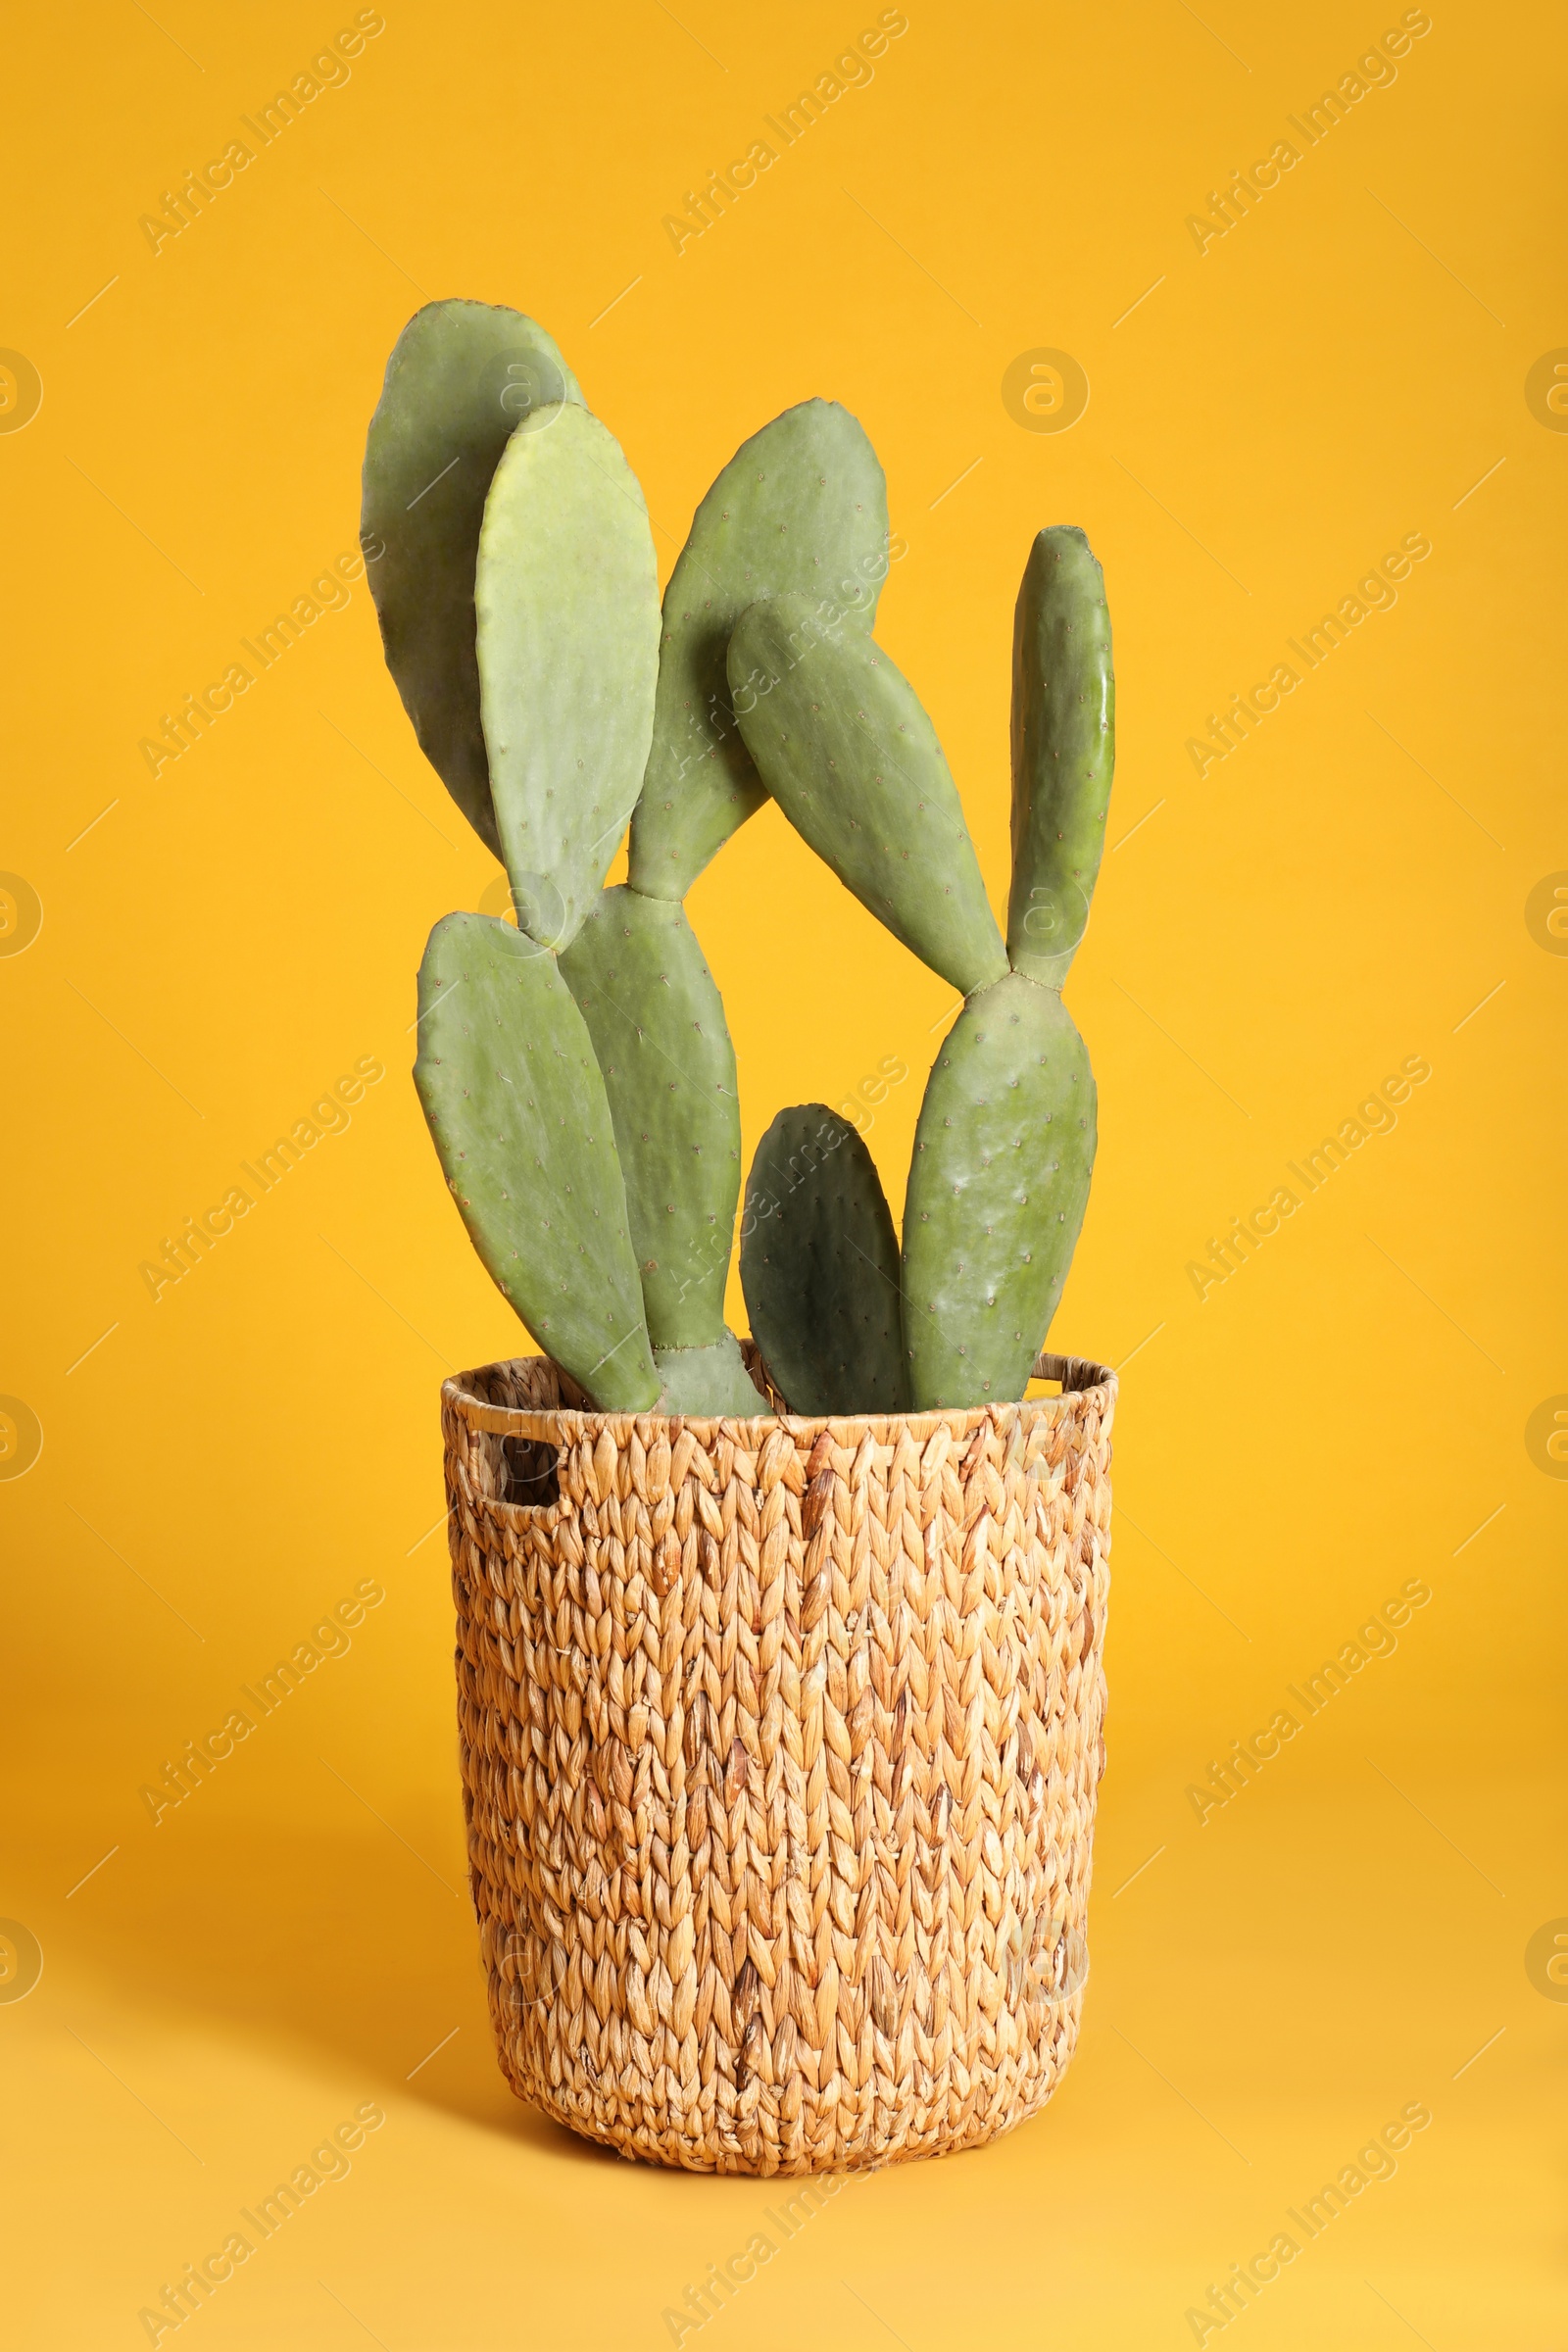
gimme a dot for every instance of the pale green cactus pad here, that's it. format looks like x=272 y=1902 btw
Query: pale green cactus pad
x=567 y=599
x=463 y=376
x=819 y=1266
x=1063 y=751
x=657 y=1022
x=802 y=506
x=998 y=1186
x=709 y=1381
x=512 y=1091
x=842 y=743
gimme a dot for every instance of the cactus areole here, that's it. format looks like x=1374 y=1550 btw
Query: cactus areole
x=575 y=1070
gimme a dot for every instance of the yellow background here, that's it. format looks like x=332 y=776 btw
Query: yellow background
x=1339 y=893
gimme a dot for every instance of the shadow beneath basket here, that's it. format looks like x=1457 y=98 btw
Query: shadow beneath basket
x=356 y=1948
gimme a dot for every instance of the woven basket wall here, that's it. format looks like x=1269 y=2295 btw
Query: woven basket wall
x=780 y=1746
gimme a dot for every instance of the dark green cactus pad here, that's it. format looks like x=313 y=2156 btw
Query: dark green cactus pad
x=1063 y=751
x=819 y=1266
x=657 y=1022
x=512 y=1091
x=801 y=506
x=844 y=746
x=998 y=1187
x=461 y=377
x=710 y=1383
x=567 y=600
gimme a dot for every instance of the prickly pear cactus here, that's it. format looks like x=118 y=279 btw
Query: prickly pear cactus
x=576 y=1071
x=819 y=1268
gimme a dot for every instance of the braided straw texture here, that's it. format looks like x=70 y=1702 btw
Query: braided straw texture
x=780 y=1746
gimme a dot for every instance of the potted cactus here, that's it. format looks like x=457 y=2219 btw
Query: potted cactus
x=779 y=1663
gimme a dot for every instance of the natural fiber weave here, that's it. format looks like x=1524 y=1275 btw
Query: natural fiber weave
x=780 y=1745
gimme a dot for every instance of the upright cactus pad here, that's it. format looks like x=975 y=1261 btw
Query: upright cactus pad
x=998 y=1186
x=842 y=743
x=1063 y=751
x=801 y=506
x=566 y=595
x=576 y=1072
x=460 y=379
x=658 y=1027
x=507 y=1074
x=819 y=1266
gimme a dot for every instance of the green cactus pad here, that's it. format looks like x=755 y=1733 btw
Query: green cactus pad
x=461 y=377
x=566 y=597
x=658 y=1026
x=819 y=1266
x=842 y=743
x=802 y=506
x=1063 y=751
x=512 y=1091
x=998 y=1187
x=710 y=1382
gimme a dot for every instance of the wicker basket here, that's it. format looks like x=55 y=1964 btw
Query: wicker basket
x=780 y=1746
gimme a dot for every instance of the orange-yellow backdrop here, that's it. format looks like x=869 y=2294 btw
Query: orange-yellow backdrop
x=1363 y=357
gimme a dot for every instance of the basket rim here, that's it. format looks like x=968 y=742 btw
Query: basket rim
x=1080 y=1377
